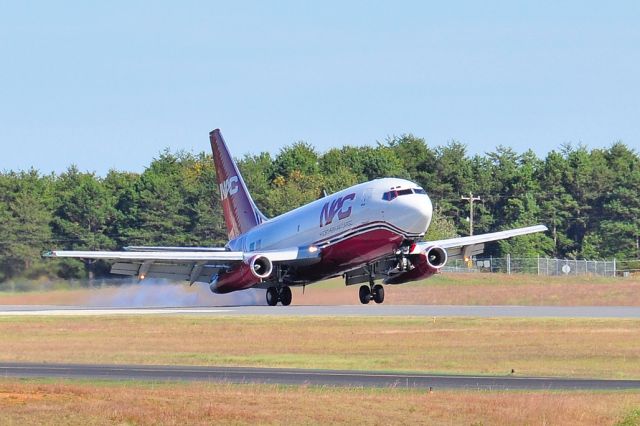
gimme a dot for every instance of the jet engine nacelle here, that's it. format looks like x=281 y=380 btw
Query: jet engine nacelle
x=247 y=274
x=424 y=265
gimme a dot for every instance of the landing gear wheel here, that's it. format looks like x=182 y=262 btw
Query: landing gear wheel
x=365 y=294
x=378 y=293
x=285 y=296
x=272 y=296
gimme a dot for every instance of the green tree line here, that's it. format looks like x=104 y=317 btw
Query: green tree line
x=589 y=199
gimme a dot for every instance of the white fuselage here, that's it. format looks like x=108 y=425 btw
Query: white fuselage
x=352 y=227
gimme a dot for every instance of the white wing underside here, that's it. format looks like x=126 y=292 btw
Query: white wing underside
x=198 y=264
x=462 y=247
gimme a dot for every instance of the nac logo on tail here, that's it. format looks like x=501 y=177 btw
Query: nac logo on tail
x=229 y=187
x=331 y=208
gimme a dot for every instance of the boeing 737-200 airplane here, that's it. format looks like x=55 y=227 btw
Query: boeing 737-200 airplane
x=368 y=232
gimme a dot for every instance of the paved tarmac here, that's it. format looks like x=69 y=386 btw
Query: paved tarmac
x=344 y=310
x=306 y=377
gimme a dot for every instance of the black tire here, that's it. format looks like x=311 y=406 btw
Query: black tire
x=285 y=296
x=272 y=296
x=378 y=293
x=365 y=294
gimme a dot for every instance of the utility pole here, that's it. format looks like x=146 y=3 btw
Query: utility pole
x=471 y=199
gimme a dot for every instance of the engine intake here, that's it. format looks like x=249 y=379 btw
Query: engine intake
x=247 y=274
x=436 y=257
x=424 y=264
x=261 y=266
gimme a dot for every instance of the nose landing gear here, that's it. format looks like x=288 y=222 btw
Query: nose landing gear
x=378 y=293
x=373 y=292
x=365 y=294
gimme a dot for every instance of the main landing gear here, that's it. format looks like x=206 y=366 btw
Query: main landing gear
x=279 y=294
x=371 y=292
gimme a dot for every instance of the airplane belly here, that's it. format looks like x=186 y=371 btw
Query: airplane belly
x=349 y=253
x=362 y=248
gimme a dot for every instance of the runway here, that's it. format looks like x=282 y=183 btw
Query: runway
x=306 y=377
x=343 y=310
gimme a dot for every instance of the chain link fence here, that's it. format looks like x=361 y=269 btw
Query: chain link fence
x=545 y=266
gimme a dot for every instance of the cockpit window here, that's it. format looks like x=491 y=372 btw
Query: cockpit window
x=419 y=191
x=389 y=195
x=393 y=194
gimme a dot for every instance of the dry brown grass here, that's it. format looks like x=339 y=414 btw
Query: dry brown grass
x=72 y=402
x=445 y=289
x=490 y=289
x=53 y=297
x=553 y=347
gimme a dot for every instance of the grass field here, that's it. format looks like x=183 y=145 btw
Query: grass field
x=549 y=347
x=77 y=402
x=490 y=289
x=444 y=289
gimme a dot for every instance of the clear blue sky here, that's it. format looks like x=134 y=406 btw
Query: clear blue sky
x=110 y=84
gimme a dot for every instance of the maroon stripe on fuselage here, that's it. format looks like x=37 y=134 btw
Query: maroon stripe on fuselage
x=351 y=253
x=365 y=227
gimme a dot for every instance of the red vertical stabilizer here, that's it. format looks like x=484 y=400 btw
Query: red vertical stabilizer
x=240 y=212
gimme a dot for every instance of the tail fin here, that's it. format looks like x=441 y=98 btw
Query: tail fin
x=240 y=212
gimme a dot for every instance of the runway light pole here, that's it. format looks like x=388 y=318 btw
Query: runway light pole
x=471 y=199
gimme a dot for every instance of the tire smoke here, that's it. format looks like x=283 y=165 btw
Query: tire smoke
x=153 y=293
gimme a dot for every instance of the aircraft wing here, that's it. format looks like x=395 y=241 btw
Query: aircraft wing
x=182 y=263
x=156 y=248
x=465 y=247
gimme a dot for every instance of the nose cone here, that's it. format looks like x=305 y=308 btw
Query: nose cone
x=414 y=213
x=424 y=212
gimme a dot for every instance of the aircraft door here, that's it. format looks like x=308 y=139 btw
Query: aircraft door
x=366 y=196
x=366 y=208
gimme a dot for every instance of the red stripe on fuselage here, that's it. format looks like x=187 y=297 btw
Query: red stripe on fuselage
x=355 y=230
x=351 y=253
